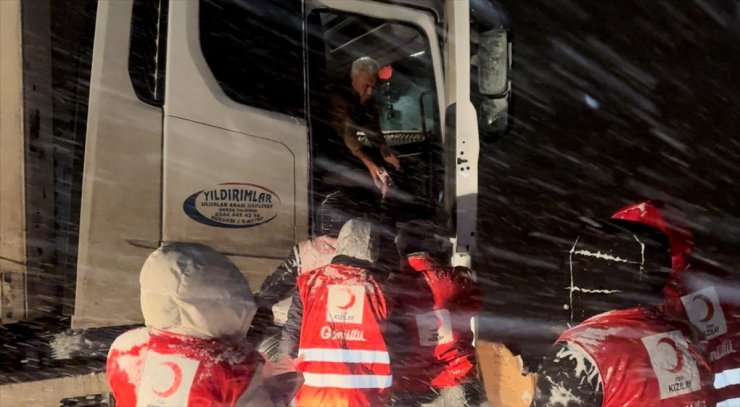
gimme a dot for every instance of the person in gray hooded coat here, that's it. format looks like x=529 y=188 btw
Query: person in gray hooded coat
x=193 y=351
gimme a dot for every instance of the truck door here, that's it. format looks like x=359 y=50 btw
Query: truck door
x=462 y=144
x=409 y=96
x=235 y=148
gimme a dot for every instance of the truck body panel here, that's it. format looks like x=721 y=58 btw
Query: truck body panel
x=12 y=187
x=121 y=187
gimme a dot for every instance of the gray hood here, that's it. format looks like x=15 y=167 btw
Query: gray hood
x=358 y=240
x=191 y=289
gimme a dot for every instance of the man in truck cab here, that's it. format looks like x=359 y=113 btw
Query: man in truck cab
x=353 y=110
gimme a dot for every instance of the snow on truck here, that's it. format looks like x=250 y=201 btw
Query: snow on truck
x=201 y=123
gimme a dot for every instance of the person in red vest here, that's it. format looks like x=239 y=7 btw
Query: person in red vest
x=341 y=352
x=624 y=351
x=333 y=211
x=699 y=292
x=433 y=357
x=193 y=352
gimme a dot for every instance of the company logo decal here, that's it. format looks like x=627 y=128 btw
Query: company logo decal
x=435 y=327
x=233 y=205
x=345 y=304
x=705 y=312
x=166 y=380
x=674 y=367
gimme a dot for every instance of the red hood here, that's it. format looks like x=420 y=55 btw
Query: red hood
x=671 y=222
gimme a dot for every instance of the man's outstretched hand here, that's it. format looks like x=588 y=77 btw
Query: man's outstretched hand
x=391 y=158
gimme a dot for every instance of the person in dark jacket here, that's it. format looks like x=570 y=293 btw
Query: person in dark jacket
x=624 y=350
x=353 y=111
x=336 y=209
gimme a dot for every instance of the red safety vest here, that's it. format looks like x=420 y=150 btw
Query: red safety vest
x=643 y=360
x=434 y=307
x=342 y=353
x=152 y=367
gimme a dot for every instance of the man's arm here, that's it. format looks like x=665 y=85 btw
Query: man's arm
x=373 y=132
x=568 y=377
x=343 y=124
x=347 y=129
x=376 y=137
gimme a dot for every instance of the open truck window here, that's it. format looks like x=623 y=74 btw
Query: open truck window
x=405 y=97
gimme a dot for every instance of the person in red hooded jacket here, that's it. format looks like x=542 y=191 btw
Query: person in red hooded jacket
x=700 y=293
x=433 y=357
x=193 y=351
x=624 y=350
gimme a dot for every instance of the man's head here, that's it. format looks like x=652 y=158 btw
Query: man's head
x=364 y=78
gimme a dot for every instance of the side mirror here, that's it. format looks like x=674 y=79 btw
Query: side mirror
x=493 y=62
x=493 y=116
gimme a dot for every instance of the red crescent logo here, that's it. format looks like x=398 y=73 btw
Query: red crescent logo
x=176 y=381
x=710 y=307
x=349 y=303
x=679 y=355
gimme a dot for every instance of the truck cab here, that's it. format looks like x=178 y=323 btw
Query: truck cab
x=207 y=118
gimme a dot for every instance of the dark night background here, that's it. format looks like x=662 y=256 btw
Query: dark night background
x=613 y=102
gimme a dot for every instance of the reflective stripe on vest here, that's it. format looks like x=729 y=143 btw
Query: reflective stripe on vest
x=347 y=381
x=729 y=377
x=343 y=355
x=729 y=403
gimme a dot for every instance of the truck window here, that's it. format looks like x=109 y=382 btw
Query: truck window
x=406 y=100
x=148 y=50
x=254 y=50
